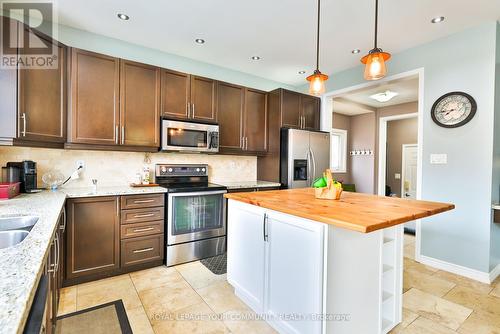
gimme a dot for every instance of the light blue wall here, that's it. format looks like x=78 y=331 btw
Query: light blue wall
x=118 y=48
x=495 y=195
x=460 y=62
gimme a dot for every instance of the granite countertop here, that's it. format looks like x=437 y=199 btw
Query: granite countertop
x=21 y=265
x=111 y=191
x=249 y=184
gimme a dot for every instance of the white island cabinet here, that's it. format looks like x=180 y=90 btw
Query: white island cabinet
x=309 y=277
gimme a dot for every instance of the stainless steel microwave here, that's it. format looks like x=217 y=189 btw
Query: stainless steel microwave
x=189 y=137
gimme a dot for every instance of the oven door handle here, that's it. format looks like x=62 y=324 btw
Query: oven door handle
x=196 y=193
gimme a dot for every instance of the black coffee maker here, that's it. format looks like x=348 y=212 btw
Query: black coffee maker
x=27 y=175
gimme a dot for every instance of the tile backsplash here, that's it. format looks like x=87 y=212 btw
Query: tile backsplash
x=119 y=168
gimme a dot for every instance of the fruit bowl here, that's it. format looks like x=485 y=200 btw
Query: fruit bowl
x=53 y=179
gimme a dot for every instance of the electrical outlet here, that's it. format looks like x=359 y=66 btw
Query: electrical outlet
x=80 y=163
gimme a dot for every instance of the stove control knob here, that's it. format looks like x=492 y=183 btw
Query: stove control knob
x=203 y=170
x=198 y=170
x=170 y=170
x=163 y=170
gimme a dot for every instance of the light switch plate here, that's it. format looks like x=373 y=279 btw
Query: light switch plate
x=397 y=176
x=439 y=159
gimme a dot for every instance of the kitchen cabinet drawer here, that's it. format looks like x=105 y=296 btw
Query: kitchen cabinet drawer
x=142 y=201
x=141 y=229
x=142 y=215
x=142 y=249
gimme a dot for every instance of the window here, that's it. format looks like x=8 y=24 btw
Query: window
x=338 y=150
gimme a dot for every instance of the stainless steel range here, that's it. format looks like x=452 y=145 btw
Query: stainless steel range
x=195 y=218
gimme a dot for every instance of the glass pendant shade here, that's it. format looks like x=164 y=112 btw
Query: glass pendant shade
x=374 y=61
x=317 y=83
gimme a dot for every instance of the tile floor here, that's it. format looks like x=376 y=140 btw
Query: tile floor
x=188 y=299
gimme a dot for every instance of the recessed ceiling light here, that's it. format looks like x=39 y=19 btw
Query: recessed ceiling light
x=302 y=72
x=123 y=17
x=384 y=96
x=356 y=51
x=200 y=41
x=255 y=58
x=438 y=19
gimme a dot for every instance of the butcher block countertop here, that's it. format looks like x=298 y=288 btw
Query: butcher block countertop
x=354 y=211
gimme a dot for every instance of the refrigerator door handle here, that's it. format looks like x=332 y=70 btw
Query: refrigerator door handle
x=309 y=165
x=313 y=165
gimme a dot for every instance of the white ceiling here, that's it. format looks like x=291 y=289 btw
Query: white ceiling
x=359 y=102
x=281 y=32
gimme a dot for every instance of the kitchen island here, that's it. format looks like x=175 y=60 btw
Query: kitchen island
x=309 y=265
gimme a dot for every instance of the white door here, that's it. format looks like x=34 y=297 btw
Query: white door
x=294 y=273
x=246 y=253
x=409 y=175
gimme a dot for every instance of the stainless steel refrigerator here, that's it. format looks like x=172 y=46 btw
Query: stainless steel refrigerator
x=304 y=157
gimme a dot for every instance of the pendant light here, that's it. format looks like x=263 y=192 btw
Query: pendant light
x=375 y=59
x=317 y=79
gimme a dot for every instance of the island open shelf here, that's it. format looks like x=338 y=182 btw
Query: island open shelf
x=303 y=264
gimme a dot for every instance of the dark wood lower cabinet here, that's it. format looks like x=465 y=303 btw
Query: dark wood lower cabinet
x=93 y=236
x=111 y=235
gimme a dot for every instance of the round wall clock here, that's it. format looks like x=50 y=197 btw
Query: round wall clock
x=453 y=109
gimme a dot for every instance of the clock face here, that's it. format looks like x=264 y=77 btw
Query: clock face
x=453 y=109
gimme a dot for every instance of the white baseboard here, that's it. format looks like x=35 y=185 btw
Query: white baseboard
x=495 y=273
x=474 y=274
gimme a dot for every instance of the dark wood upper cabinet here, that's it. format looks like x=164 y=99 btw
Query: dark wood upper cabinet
x=95 y=113
x=203 y=99
x=290 y=109
x=93 y=236
x=139 y=104
x=230 y=100
x=310 y=110
x=175 y=94
x=255 y=121
x=42 y=99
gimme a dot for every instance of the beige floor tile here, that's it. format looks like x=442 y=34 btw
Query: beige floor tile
x=221 y=298
x=409 y=251
x=474 y=299
x=425 y=282
x=197 y=275
x=194 y=319
x=409 y=239
x=496 y=290
x=139 y=321
x=155 y=277
x=166 y=299
x=435 y=308
x=425 y=326
x=412 y=265
x=107 y=290
x=464 y=281
x=67 y=300
x=246 y=322
x=481 y=323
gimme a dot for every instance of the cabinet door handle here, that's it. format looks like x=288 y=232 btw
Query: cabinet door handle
x=241 y=143
x=62 y=227
x=144 y=201
x=23 y=132
x=264 y=227
x=192 y=110
x=123 y=134
x=143 y=250
x=188 y=108
x=58 y=255
x=143 y=229
x=246 y=143
x=144 y=215
x=116 y=134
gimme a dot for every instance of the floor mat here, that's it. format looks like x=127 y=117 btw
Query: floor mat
x=109 y=318
x=216 y=264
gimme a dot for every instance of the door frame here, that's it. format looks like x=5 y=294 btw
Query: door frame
x=403 y=160
x=326 y=125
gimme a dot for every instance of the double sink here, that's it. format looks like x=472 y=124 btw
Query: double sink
x=14 y=229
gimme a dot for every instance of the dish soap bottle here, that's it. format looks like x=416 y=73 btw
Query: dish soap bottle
x=145 y=175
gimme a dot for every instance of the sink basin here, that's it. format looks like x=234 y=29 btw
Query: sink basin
x=14 y=229
x=11 y=238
